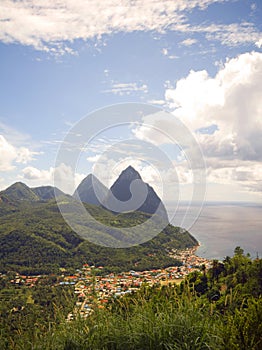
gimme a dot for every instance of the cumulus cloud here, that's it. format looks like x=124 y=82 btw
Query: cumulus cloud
x=62 y=173
x=32 y=173
x=8 y=155
x=11 y=155
x=231 y=100
x=230 y=103
x=193 y=94
x=48 y=25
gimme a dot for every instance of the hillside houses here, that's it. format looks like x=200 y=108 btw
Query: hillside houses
x=95 y=291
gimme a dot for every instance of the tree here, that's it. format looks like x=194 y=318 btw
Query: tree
x=238 y=251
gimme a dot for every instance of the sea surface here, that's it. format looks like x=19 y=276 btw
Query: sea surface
x=221 y=227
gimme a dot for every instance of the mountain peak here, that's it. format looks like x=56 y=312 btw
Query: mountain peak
x=90 y=190
x=17 y=185
x=89 y=177
x=130 y=173
x=130 y=169
x=19 y=191
x=120 y=194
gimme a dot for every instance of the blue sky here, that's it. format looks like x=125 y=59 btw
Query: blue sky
x=199 y=60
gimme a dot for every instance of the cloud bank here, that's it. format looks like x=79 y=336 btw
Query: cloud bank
x=224 y=114
x=11 y=155
x=51 y=25
x=40 y=177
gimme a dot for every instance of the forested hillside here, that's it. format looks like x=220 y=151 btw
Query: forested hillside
x=34 y=239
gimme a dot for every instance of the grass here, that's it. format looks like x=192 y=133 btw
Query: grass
x=142 y=324
x=173 y=317
x=163 y=321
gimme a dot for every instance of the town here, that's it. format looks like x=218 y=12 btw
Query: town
x=96 y=290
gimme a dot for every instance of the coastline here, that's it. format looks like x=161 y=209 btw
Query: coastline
x=220 y=230
x=189 y=258
x=197 y=248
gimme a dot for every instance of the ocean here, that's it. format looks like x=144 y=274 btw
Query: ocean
x=221 y=227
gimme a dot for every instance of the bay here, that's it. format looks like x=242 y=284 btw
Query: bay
x=221 y=227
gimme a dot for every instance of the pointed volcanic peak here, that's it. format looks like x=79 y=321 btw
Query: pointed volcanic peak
x=17 y=192
x=90 y=190
x=47 y=192
x=121 y=187
x=121 y=190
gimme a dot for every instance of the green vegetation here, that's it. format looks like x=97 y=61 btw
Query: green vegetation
x=34 y=239
x=27 y=313
x=217 y=309
x=17 y=192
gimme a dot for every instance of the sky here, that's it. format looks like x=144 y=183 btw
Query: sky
x=70 y=67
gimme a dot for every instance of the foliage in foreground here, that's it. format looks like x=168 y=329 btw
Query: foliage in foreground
x=217 y=309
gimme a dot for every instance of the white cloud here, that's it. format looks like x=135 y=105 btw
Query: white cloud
x=188 y=42
x=259 y=43
x=164 y=51
x=173 y=57
x=8 y=155
x=157 y=102
x=14 y=137
x=231 y=34
x=247 y=176
x=191 y=95
x=24 y=155
x=127 y=88
x=93 y=159
x=49 y=25
x=40 y=177
x=66 y=179
x=44 y=176
x=11 y=155
x=232 y=101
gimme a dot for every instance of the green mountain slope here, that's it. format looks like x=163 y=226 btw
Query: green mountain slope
x=21 y=192
x=34 y=238
x=18 y=192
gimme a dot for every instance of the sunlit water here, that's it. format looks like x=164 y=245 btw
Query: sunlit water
x=220 y=228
